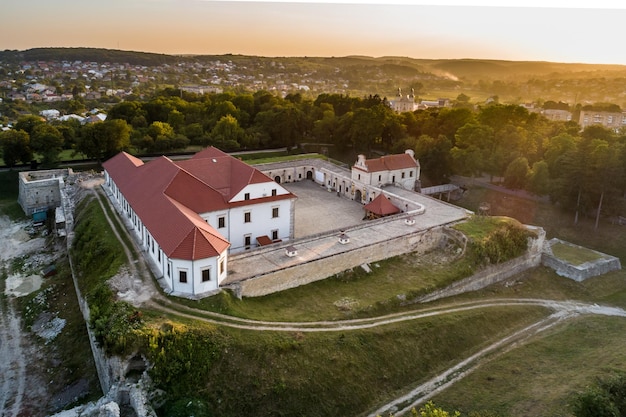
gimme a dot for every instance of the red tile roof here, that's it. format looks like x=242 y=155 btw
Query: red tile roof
x=179 y=231
x=381 y=206
x=389 y=163
x=222 y=172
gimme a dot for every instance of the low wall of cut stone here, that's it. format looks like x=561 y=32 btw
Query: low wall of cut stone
x=495 y=273
x=604 y=264
x=319 y=269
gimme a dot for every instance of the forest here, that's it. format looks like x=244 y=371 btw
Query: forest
x=581 y=169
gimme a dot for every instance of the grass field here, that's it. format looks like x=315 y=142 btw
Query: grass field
x=574 y=255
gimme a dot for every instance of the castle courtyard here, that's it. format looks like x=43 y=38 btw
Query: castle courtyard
x=319 y=211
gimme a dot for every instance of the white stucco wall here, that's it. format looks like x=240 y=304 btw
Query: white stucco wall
x=261 y=223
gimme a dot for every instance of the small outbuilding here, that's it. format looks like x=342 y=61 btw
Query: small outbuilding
x=380 y=207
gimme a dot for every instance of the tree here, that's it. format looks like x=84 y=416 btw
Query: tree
x=103 y=140
x=434 y=156
x=15 y=147
x=517 y=173
x=227 y=134
x=605 y=170
x=28 y=123
x=539 y=178
x=47 y=141
x=473 y=148
x=161 y=136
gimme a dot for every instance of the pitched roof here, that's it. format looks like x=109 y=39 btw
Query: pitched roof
x=381 y=206
x=222 y=172
x=183 y=235
x=389 y=163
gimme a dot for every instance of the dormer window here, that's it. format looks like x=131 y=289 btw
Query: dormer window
x=246 y=196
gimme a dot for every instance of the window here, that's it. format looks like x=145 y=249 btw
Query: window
x=168 y=269
x=206 y=275
x=411 y=174
x=380 y=178
x=221 y=222
x=403 y=174
x=246 y=196
x=182 y=276
x=221 y=266
x=247 y=217
x=246 y=241
x=274 y=212
x=274 y=234
x=359 y=177
x=274 y=191
x=393 y=179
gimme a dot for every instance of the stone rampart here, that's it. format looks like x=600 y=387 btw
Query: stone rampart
x=322 y=268
x=495 y=273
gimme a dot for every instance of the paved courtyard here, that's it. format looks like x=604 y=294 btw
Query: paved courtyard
x=318 y=210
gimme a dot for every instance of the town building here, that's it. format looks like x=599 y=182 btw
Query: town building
x=557 y=115
x=189 y=215
x=609 y=120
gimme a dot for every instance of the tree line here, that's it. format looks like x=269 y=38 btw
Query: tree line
x=585 y=170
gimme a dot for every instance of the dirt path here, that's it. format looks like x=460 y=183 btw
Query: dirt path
x=561 y=311
x=12 y=362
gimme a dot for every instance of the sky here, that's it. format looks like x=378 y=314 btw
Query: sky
x=522 y=30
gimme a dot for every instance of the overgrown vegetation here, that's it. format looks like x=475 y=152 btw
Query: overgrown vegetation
x=97 y=258
x=494 y=240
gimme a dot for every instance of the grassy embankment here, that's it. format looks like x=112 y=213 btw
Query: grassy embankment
x=247 y=371
x=349 y=372
x=66 y=359
x=542 y=377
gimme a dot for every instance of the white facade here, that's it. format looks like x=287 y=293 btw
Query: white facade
x=170 y=268
x=187 y=247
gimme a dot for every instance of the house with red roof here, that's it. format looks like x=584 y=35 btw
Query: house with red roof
x=401 y=170
x=189 y=215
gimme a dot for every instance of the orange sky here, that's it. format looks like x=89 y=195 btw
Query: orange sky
x=405 y=28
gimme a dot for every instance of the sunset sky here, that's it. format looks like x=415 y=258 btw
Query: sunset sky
x=541 y=30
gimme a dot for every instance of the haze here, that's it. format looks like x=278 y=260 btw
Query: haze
x=319 y=29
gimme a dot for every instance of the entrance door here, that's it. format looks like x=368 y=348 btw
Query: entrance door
x=357 y=196
x=277 y=179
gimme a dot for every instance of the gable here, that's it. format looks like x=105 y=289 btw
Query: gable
x=180 y=232
x=390 y=163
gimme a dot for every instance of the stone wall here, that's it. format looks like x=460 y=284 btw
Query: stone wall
x=323 y=268
x=41 y=190
x=605 y=263
x=495 y=273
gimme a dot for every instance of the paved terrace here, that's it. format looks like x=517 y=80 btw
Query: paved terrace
x=322 y=212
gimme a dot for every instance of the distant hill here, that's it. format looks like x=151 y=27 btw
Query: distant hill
x=461 y=68
x=88 y=55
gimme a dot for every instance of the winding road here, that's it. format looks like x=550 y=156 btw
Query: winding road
x=560 y=311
